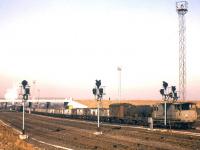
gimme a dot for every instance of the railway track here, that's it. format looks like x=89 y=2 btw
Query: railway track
x=190 y=132
x=77 y=134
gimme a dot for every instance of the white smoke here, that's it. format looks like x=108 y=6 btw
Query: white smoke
x=11 y=93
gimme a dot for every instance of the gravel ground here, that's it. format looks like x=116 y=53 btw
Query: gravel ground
x=9 y=140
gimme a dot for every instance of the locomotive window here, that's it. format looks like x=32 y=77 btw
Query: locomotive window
x=177 y=107
x=155 y=108
x=186 y=106
x=191 y=106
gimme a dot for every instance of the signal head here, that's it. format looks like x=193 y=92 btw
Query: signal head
x=98 y=83
x=162 y=92
x=25 y=97
x=170 y=95
x=27 y=90
x=30 y=104
x=165 y=85
x=101 y=91
x=173 y=89
x=24 y=83
x=175 y=96
x=94 y=91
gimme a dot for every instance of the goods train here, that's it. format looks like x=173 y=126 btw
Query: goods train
x=179 y=114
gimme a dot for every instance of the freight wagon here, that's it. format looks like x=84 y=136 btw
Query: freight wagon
x=130 y=114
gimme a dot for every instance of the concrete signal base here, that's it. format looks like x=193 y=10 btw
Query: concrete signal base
x=23 y=136
x=98 y=132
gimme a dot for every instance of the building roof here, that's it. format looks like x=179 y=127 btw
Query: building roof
x=76 y=104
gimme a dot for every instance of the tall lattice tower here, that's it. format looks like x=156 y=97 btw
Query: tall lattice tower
x=182 y=9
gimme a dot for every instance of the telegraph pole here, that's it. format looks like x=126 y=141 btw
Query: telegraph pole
x=182 y=9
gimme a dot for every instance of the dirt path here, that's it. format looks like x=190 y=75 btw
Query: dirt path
x=80 y=135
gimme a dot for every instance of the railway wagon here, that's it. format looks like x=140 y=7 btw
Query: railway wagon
x=179 y=114
x=56 y=111
x=78 y=113
x=103 y=113
x=41 y=110
x=90 y=113
x=49 y=112
x=52 y=111
x=130 y=114
x=67 y=112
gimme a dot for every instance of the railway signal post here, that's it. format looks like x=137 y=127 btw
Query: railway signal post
x=25 y=93
x=98 y=93
x=168 y=94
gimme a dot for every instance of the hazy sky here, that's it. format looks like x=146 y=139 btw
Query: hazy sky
x=65 y=45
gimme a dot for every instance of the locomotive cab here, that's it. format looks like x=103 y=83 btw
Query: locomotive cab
x=186 y=112
x=179 y=112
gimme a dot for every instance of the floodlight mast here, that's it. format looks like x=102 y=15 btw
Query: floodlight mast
x=182 y=9
x=33 y=91
x=119 y=89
